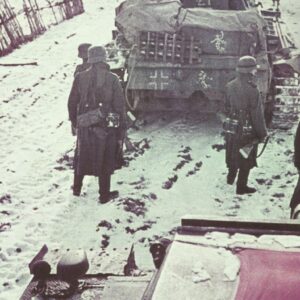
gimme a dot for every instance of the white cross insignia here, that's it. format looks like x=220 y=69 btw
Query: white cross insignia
x=160 y=80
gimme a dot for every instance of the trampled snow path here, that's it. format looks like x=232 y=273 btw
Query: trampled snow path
x=176 y=172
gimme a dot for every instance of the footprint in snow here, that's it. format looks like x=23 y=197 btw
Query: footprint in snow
x=105 y=241
x=147 y=225
x=262 y=181
x=5 y=226
x=104 y=224
x=186 y=149
x=266 y=211
x=5 y=199
x=140 y=184
x=169 y=183
x=185 y=158
x=150 y=196
x=197 y=167
x=134 y=206
x=235 y=206
x=218 y=200
x=278 y=195
x=179 y=165
x=218 y=147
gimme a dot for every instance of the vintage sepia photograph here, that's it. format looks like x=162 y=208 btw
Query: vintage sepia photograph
x=149 y=149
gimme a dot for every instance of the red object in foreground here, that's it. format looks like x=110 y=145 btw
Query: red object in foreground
x=269 y=275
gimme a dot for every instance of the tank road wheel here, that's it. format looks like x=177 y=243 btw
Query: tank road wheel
x=199 y=102
x=286 y=93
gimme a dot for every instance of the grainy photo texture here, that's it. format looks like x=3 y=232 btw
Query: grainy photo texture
x=149 y=149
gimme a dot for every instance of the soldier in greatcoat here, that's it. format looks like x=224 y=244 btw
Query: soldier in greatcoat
x=97 y=89
x=295 y=201
x=83 y=54
x=244 y=106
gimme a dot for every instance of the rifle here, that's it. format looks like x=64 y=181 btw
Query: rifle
x=247 y=149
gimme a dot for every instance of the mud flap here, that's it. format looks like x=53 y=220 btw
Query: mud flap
x=296 y=213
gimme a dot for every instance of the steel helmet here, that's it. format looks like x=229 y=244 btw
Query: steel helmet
x=246 y=64
x=96 y=54
x=83 y=50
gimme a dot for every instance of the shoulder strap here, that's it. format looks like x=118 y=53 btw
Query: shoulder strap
x=99 y=87
x=86 y=83
x=91 y=88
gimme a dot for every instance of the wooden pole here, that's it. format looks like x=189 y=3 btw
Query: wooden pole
x=27 y=14
x=16 y=24
x=19 y=64
x=4 y=22
x=53 y=11
x=41 y=22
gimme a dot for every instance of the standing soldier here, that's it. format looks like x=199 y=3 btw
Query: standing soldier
x=97 y=110
x=244 y=109
x=295 y=201
x=83 y=54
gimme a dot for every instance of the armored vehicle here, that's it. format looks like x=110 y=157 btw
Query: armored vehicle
x=181 y=54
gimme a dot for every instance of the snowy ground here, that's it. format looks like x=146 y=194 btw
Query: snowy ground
x=177 y=170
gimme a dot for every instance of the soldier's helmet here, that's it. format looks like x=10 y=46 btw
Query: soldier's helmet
x=96 y=54
x=83 y=50
x=246 y=64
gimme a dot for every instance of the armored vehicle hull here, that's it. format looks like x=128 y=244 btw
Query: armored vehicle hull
x=182 y=57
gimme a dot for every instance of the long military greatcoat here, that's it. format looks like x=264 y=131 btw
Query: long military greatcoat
x=82 y=67
x=296 y=195
x=243 y=100
x=96 y=146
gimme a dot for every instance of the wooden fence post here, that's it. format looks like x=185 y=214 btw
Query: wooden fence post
x=11 y=32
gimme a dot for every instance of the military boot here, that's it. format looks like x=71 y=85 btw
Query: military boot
x=241 y=185
x=76 y=192
x=78 y=179
x=231 y=176
x=104 y=198
x=241 y=190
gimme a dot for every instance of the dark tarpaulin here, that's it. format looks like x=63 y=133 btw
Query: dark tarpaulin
x=269 y=275
x=169 y=16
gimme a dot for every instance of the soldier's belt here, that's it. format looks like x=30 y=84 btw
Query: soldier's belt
x=247 y=130
x=97 y=118
x=113 y=120
x=90 y=118
x=230 y=126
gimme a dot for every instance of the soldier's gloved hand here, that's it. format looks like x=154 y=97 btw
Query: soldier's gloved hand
x=73 y=129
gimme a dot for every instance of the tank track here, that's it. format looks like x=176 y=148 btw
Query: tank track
x=286 y=102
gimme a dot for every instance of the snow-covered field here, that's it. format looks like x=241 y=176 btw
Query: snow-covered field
x=36 y=203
